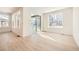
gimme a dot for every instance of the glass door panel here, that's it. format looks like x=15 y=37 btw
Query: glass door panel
x=36 y=23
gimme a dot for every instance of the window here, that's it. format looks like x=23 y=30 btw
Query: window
x=16 y=20
x=4 y=20
x=55 y=20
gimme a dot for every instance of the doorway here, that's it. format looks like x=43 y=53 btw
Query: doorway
x=36 y=23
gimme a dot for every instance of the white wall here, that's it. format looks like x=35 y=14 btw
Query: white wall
x=25 y=25
x=76 y=24
x=67 y=22
x=27 y=29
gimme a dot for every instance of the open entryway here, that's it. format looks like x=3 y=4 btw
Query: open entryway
x=36 y=23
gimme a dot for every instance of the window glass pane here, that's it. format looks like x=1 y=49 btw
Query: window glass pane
x=56 y=20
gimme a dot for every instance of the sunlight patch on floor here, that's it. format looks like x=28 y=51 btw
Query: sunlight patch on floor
x=45 y=36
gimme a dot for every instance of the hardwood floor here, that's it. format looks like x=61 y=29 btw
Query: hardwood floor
x=40 y=41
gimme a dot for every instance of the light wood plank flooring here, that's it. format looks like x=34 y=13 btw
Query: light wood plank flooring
x=40 y=41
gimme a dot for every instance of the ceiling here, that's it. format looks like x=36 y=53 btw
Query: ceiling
x=35 y=10
x=7 y=9
x=40 y=10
